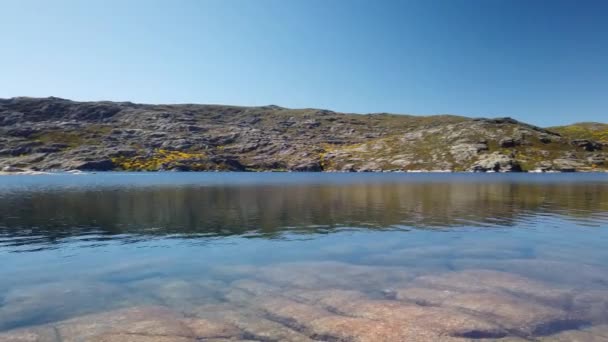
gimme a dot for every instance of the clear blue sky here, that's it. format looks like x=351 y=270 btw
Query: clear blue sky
x=541 y=61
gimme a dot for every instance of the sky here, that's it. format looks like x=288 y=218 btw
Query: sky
x=540 y=61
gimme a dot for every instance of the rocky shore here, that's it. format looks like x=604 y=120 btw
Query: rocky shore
x=321 y=301
x=52 y=134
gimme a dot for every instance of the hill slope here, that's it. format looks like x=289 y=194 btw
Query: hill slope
x=59 y=134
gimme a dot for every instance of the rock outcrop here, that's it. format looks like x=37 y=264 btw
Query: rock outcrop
x=58 y=134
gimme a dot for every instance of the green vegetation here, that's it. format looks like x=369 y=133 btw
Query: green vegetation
x=158 y=160
x=72 y=139
x=584 y=130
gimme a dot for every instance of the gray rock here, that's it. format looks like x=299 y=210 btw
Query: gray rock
x=597 y=159
x=588 y=145
x=545 y=138
x=567 y=165
x=97 y=165
x=123 y=153
x=308 y=166
x=11 y=169
x=497 y=162
x=509 y=142
x=264 y=138
x=349 y=168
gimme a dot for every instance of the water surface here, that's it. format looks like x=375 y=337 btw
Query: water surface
x=304 y=257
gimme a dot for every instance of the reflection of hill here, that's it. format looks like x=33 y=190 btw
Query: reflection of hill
x=272 y=209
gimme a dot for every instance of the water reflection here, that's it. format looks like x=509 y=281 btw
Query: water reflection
x=368 y=258
x=43 y=217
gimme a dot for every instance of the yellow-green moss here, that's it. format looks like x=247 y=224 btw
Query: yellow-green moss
x=155 y=161
x=593 y=131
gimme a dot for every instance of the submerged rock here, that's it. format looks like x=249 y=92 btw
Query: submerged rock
x=36 y=334
x=59 y=300
x=323 y=301
x=145 y=323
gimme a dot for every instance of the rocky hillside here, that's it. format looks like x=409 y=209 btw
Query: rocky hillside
x=58 y=134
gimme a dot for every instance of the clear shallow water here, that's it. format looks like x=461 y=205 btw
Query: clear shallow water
x=300 y=257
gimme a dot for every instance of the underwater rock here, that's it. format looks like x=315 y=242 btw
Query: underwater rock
x=590 y=334
x=514 y=313
x=341 y=328
x=562 y=272
x=325 y=298
x=591 y=305
x=143 y=320
x=141 y=338
x=441 y=321
x=324 y=275
x=291 y=313
x=206 y=328
x=255 y=287
x=251 y=321
x=36 y=334
x=486 y=280
x=176 y=293
x=57 y=300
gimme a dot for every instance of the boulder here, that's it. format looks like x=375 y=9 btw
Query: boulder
x=567 y=165
x=497 y=162
x=509 y=142
x=228 y=163
x=545 y=138
x=466 y=151
x=588 y=145
x=177 y=144
x=597 y=159
x=308 y=166
x=11 y=169
x=96 y=165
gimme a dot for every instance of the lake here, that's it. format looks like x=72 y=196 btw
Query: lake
x=304 y=257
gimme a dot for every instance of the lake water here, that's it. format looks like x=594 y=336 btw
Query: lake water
x=304 y=257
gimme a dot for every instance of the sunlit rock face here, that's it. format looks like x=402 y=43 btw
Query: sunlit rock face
x=335 y=301
x=59 y=134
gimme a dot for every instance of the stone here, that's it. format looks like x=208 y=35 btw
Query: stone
x=36 y=334
x=467 y=151
x=97 y=165
x=588 y=145
x=255 y=287
x=119 y=337
x=42 y=303
x=567 y=165
x=597 y=333
x=591 y=305
x=307 y=166
x=563 y=272
x=11 y=169
x=492 y=281
x=509 y=142
x=173 y=292
x=597 y=160
x=341 y=328
x=291 y=313
x=259 y=328
x=545 y=138
x=206 y=328
x=323 y=275
x=442 y=321
x=514 y=313
x=139 y=322
x=496 y=162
